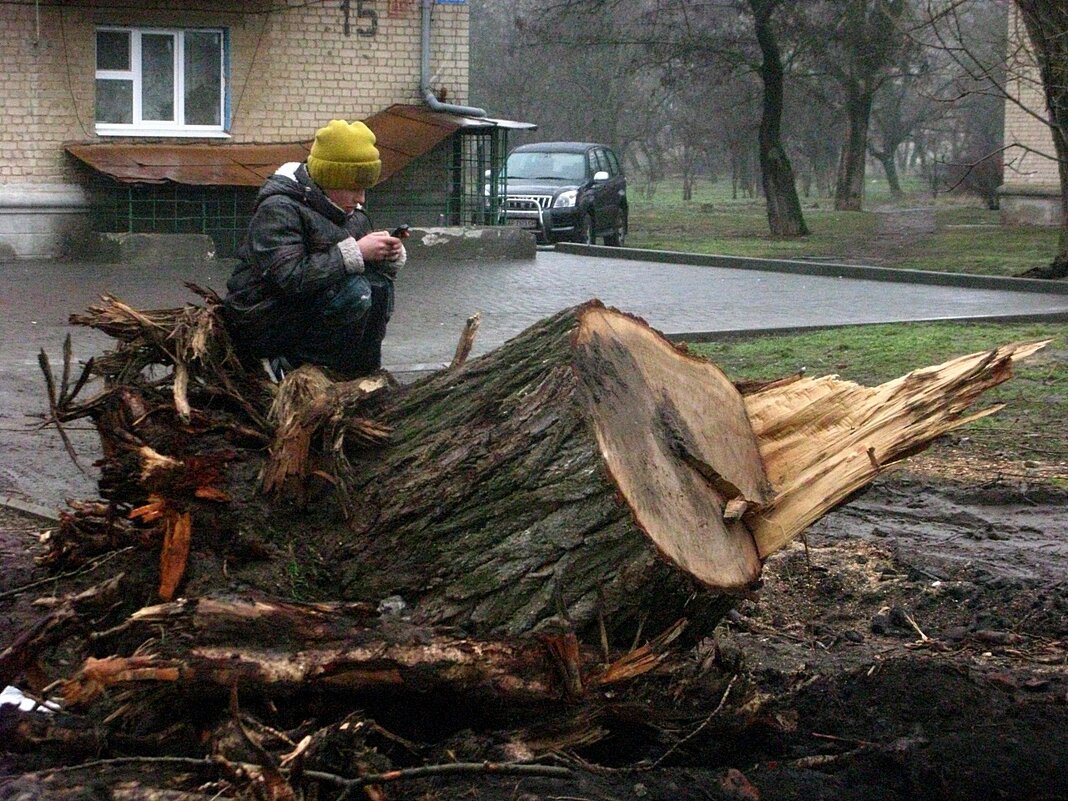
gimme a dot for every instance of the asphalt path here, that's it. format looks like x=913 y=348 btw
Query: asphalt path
x=433 y=301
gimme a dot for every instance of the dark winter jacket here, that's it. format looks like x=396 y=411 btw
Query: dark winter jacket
x=290 y=266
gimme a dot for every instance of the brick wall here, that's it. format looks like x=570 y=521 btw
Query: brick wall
x=292 y=70
x=1025 y=169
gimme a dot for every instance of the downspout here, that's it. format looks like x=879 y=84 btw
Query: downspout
x=424 y=74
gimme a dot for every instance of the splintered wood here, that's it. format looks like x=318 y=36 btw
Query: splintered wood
x=823 y=438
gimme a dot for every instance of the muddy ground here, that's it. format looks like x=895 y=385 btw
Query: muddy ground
x=915 y=648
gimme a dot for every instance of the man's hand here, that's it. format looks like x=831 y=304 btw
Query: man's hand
x=380 y=246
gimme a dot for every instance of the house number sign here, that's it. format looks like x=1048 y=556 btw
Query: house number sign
x=365 y=14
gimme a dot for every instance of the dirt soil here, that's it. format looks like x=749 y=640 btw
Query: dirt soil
x=916 y=647
x=895 y=236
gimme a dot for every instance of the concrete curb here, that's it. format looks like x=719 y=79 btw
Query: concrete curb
x=490 y=243
x=738 y=333
x=828 y=269
x=28 y=508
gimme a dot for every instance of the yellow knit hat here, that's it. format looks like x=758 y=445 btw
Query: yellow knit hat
x=344 y=156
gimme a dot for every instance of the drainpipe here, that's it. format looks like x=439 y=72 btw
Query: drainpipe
x=424 y=75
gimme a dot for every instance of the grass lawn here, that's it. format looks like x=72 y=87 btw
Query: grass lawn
x=1031 y=427
x=958 y=234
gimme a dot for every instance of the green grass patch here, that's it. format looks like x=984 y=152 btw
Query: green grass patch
x=1030 y=427
x=963 y=236
x=972 y=241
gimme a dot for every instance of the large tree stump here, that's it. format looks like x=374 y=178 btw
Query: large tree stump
x=587 y=470
x=583 y=468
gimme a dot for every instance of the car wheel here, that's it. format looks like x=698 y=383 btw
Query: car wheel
x=619 y=236
x=586 y=234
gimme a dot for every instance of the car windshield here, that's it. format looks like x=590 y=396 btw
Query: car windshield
x=534 y=165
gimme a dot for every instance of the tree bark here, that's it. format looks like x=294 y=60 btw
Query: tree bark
x=849 y=192
x=780 y=190
x=584 y=466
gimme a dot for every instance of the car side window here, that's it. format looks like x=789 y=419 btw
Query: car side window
x=597 y=157
x=613 y=163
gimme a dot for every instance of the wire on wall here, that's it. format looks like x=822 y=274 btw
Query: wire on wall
x=70 y=79
x=251 y=67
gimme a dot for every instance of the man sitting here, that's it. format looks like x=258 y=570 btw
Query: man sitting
x=315 y=283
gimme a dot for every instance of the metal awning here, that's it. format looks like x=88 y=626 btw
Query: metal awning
x=403 y=132
x=195 y=165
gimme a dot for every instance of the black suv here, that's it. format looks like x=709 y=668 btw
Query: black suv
x=567 y=191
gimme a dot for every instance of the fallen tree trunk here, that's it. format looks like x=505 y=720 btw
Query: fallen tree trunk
x=587 y=470
x=583 y=469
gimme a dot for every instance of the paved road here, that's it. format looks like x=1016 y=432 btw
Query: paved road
x=433 y=300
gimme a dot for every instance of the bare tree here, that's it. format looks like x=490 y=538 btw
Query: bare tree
x=862 y=39
x=908 y=101
x=1045 y=48
x=780 y=190
x=660 y=52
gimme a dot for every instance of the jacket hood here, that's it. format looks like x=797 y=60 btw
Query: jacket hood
x=292 y=180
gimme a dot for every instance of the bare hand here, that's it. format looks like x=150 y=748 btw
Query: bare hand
x=379 y=246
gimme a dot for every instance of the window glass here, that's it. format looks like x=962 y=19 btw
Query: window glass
x=203 y=89
x=114 y=101
x=599 y=162
x=157 y=77
x=113 y=50
x=547 y=166
x=613 y=163
x=160 y=81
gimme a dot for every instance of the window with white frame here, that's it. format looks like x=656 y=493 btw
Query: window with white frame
x=160 y=82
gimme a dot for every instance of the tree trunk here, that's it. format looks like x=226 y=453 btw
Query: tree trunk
x=889 y=162
x=587 y=470
x=849 y=192
x=780 y=191
x=584 y=466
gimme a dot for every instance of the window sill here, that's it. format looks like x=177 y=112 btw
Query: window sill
x=183 y=133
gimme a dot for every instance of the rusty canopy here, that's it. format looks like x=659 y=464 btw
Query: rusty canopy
x=195 y=165
x=404 y=133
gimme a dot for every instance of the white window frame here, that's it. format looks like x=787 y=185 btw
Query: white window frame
x=177 y=127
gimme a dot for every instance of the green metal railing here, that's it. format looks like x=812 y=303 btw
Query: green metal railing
x=477 y=178
x=221 y=212
x=462 y=183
